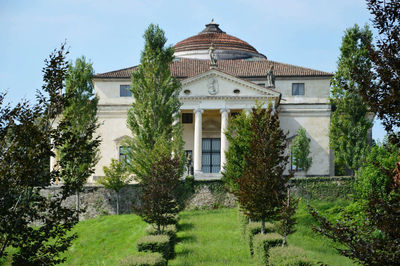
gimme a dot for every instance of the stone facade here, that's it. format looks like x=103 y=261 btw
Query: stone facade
x=213 y=93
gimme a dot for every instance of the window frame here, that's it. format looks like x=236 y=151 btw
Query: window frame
x=184 y=121
x=124 y=90
x=296 y=88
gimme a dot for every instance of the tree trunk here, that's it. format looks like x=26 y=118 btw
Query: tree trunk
x=77 y=203
x=262 y=226
x=284 y=240
x=117 y=202
x=158 y=229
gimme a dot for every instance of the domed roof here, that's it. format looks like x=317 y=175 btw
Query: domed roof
x=226 y=46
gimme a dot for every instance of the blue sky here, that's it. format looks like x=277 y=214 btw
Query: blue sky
x=301 y=32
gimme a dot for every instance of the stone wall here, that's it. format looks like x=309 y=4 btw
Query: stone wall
x=97 y=201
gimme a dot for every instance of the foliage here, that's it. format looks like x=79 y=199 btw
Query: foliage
x=157 y=243
x=238 y=135
x=262 y=244
x=145 y=259
x=349 y=122
x=324 y=188
x=288 y=256
x=373 y=239
x=254 y=228
x=28 y=137
x=383 y=94
x=263 y=187
x=243 y=222
x=286 y=217
x=116 y=177
x=375 y=177
x=300 y=149
x=158 y=200
x=169 y=230
x=155 y=108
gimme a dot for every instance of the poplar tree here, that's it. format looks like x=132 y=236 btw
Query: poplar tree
x=154 y=113
x=238 y=135
x=81 y=114
x=263 y=187
x=155 y=153
x=349 y=121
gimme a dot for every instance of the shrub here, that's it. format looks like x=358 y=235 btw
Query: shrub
x=145 y=259
x=157 y=243
x=262 y=244
x=288 y=256
x=169 y=230
x=254 y=228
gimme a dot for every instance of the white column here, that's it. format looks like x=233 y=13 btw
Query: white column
x=224 y=140
x=198 y=132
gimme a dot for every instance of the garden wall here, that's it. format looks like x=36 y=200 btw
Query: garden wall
x=96 y=200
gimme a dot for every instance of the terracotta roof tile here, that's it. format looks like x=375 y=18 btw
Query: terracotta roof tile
x=186 y=68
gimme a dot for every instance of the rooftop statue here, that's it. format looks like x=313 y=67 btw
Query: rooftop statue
x=270 y=77
x=211 y=52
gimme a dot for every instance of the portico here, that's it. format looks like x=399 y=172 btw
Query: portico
x=212 y=98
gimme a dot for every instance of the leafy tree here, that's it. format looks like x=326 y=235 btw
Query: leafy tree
x=155 y=109
x=383 y=93
x=263 y=188
x=375 y=239
x=238 y=135
x=116 y=178
x=286 y=219
x=155 y=152
x=158 y=198
x=301 y=150
x=26 y=132
x=375 y=178
x=81 y=115
x=349 y=122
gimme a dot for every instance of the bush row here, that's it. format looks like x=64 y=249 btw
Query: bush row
x=145 y=259
x=154 y=249
x=267 y=248
x=254 y=228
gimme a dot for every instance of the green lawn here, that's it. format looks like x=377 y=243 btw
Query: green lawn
x=206 y=237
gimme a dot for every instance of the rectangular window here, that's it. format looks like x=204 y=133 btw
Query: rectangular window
x=211 y=157
x=187 y=118
x=297 y=88
x=124 y=91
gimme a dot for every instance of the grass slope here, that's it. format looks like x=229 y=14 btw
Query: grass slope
x=317 y=247
x=206 y=237
x=105 y=240
x=210 y=237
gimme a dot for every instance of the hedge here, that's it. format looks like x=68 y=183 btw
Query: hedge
x=262 y=243
x=254 y=228
x=157 y=243
x=169 y=230
x=144 y=259
x=288 y=256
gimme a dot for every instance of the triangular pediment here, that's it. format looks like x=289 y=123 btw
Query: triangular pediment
x=219 y=84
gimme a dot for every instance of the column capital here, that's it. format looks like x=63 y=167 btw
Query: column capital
x=222 y=110
x=201 y=110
